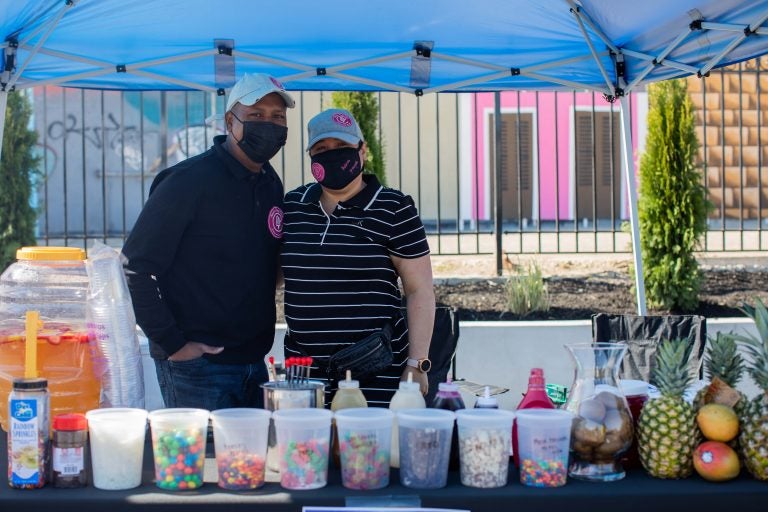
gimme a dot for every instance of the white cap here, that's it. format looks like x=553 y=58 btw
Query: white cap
x=254 y=86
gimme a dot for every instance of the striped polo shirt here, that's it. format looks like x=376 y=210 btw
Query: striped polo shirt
x=340 y=283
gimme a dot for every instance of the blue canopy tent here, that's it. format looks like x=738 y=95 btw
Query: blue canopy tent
x=416 y=46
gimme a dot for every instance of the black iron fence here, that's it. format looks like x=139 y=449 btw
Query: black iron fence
x=553 y=185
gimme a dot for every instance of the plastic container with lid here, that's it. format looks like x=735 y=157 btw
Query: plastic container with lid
x=28 y=451
x=407 y=396
x=54 y=282
x=68 y=447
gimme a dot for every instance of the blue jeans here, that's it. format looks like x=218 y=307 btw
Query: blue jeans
x=202 y=384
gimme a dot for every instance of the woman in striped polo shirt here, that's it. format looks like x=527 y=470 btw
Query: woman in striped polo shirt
x=347 y=240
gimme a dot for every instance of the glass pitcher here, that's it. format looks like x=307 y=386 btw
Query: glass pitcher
x=602 y=427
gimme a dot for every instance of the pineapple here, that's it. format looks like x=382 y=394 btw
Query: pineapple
x=723 y=367
x=667 y=431
x=754 y=415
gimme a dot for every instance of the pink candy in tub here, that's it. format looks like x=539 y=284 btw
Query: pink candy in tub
x=365 y=437
x=303 y=438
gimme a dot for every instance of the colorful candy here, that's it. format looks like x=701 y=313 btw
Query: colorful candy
x=364 y=464
x=240 y=470
x=304 y=464
x=179 y=458
x=543 y=473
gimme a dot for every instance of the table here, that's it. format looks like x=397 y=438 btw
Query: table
x=636 y=493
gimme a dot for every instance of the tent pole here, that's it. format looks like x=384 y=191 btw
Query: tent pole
x=629 y=174
x=3 y=105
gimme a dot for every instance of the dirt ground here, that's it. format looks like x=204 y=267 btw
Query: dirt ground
x=580 y=285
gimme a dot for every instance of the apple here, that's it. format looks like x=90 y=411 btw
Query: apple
x=716 y=461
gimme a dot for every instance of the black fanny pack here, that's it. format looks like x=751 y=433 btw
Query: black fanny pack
x=365 y=358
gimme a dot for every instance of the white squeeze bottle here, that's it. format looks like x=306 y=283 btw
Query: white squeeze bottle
x=486 y=401
x=407 y=396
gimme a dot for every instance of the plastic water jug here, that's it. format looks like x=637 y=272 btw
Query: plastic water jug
x=54 y=282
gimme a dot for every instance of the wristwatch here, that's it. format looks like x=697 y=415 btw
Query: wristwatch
x=423 y=365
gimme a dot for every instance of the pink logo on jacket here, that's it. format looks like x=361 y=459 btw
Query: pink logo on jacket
x=275 y=222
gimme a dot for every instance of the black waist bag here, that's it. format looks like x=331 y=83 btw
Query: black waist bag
x=365 y=358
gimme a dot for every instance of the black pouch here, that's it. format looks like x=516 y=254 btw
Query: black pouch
x=365 y=358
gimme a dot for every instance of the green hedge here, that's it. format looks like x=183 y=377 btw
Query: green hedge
x=672 y=203
x=18 y=166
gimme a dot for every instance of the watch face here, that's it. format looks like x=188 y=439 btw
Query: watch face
x=425 y=365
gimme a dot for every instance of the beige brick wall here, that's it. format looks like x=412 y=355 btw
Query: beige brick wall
x=735 y=142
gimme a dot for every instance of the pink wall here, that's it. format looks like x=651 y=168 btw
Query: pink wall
x=554 y=159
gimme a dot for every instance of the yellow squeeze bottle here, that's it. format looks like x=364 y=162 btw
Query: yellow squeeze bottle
x=347 y=396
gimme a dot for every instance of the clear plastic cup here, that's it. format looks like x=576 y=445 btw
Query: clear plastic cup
x=240 y=438
x=303 y=439
x=365 y=437
x=485 y=437
x=117 y=447
x=425 y=447
x=543 y=439
x=178 y=444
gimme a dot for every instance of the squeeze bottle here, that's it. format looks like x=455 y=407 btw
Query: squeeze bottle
x=449 y=398
x=347 y=396
x=486 y=401
x=535 y=398
x=407 y=396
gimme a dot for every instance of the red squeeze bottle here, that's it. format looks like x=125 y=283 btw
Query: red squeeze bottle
x=535 y=398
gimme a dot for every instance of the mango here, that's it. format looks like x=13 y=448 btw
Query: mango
x=716 y=461
x=718 y=422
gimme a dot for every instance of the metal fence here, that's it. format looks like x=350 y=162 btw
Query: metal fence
x=560 y=186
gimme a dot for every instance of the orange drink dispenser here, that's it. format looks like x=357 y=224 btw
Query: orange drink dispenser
x=53 y=282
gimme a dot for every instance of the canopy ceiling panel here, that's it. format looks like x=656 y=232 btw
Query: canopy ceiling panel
x=403 y=45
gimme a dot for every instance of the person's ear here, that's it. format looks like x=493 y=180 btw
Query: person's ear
x=363 y=152
x=228 y=121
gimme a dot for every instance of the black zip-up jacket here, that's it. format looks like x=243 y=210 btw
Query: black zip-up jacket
x=202 y=258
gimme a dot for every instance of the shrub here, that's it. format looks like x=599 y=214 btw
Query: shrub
x=365 y=107
x=17 y=168
x=672 y=203
x=526 y=291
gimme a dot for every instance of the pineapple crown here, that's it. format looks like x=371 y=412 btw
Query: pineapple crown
x=723 y=359
x=671 y=372
x=756 y=347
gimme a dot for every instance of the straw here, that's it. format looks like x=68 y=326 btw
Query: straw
x=30 y=352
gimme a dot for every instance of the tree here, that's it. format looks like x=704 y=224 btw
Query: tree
x=672 y=203
x=17 y=168
x=365 y=108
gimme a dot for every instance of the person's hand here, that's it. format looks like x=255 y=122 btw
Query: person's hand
x=193 y=350
x=418 y=376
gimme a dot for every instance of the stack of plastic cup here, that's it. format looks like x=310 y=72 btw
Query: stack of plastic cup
x=425 y=447
x=303 y=439
x=240 y=439
x=485 y=437
x=117 y=447
x=112 y=325
x=365 y=436
x=543 y=440
x=178 y=444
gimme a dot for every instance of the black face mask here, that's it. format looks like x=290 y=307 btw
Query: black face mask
x=261 y=139
x=335 y=169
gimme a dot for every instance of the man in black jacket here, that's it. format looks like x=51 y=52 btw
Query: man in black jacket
x=202 y=258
